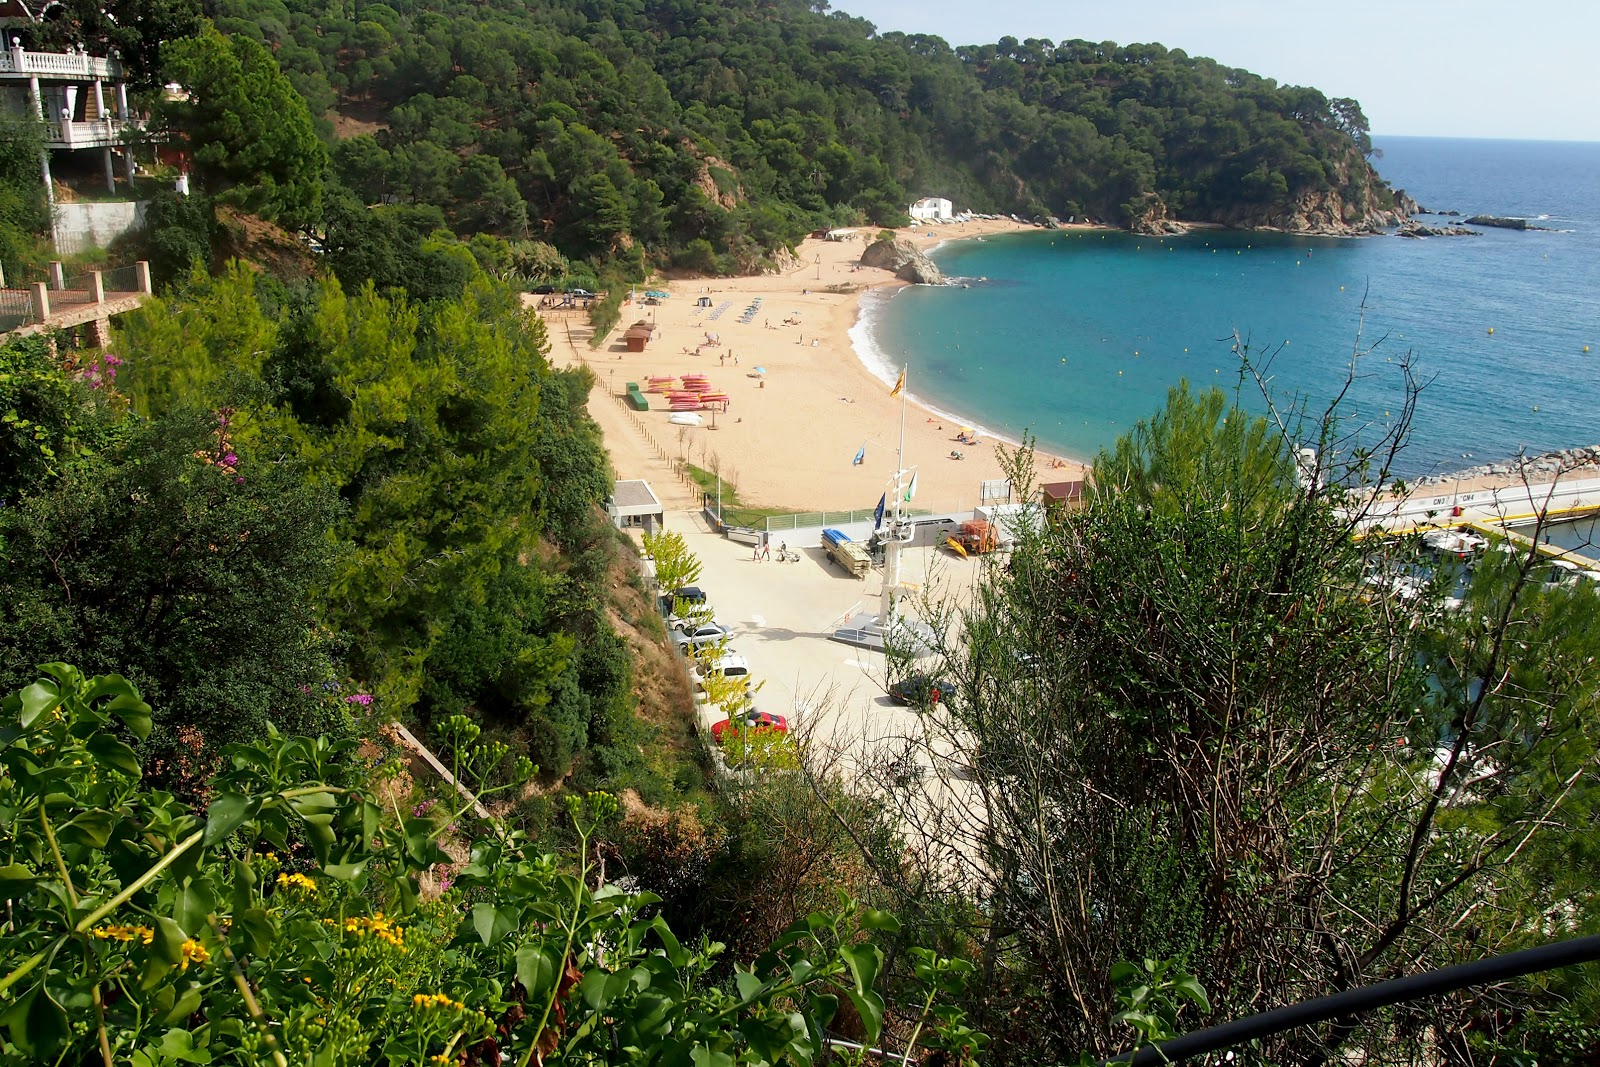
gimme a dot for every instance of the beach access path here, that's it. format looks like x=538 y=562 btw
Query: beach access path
x=789 y=435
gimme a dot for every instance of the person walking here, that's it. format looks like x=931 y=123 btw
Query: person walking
x=766 y=548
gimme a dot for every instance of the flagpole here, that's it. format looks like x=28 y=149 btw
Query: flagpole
x=891 y=550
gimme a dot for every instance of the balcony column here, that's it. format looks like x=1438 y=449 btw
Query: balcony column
x=99 y=101
x=127 y=165
x=37 y=97
x=49 y=185
x=122 y=100
x=111 y=169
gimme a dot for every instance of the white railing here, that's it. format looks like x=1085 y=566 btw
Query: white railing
x=59 y=64
x=97 y=134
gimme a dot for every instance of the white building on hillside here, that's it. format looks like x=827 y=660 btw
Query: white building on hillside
x=932 y=209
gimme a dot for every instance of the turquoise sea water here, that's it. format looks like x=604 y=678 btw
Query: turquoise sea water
x=1075 y=336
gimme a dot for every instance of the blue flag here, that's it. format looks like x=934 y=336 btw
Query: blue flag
x=877 y=516
x=861 y=456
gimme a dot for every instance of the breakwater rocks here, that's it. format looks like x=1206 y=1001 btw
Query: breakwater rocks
x=1503 y=223
x=1417 y=229
x=1537 y=468
x=905 y=259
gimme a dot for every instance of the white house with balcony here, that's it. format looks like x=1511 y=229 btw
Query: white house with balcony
x=82 y=100
x=932 y=209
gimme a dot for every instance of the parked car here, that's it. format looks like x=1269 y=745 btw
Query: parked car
x=919 y=690
x=542 y=290
x=701 y=635
x=754 y=720
x=579 y=292
x=691 y=595
x=731 y=665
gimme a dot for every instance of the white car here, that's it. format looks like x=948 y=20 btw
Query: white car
x=730 y=665
x=700 y=636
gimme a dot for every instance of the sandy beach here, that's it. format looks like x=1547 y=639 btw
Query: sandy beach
x=789 y=436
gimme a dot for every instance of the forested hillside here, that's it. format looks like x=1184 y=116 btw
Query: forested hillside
x=710 y=132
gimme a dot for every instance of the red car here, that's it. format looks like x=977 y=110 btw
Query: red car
x=752 y=719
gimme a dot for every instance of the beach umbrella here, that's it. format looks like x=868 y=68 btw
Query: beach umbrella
x=657 y=294
x=712 y=336
x=761 y=370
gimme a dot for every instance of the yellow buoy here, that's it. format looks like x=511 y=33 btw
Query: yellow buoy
x=1136 y=351
x=1536 y=407
x=1119 y=374
x=1341 y=288
x=1586 y=348
x=1491 y=329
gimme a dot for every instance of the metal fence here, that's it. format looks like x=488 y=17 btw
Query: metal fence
x=16 y=309
x=75 y=289
x=121 y=280
x=807 y=519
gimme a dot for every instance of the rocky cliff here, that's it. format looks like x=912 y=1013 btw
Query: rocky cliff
x=907 y=262
x=1355 y=201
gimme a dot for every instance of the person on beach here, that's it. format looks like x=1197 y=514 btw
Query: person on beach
x=766 y=549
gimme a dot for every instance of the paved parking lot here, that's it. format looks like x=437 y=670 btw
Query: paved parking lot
x=780 y=615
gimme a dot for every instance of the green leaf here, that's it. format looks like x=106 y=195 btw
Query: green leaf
x=38 y=698
x=669 y=941
x=91 y=828
x=536 y=970
x=493 y=922
x=1190 y=987
x=109 y=752
x=345 y=872
x=163 y=954
x=870 y=1007
x=226 y=814
x=708 y=1057
x=134 y=712
x=873 y=919
x=750 y=986
x=37 y=1024
x=14 y=879
x=195 y=901
x=186 y=1005
x=258 y=928
x=864 y=962
x=595 y=990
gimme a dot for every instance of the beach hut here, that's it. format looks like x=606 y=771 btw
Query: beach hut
x=637 y=337
x=1061 y=496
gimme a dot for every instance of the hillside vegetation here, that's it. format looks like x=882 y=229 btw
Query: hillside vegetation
x=711 y=132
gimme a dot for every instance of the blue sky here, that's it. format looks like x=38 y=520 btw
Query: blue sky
x=1443 y=68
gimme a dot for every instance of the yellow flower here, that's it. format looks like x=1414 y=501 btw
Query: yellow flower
x=194 y=952
x=297 y=881
x=385 y=930
x=125 y=933
x=426 y=1001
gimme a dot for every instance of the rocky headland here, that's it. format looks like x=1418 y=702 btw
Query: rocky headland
x=905 y=259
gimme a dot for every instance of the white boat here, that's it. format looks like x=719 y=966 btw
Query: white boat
x=685 y=418
x=1460 y=543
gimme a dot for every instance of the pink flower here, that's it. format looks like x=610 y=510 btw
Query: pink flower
x=230 y=459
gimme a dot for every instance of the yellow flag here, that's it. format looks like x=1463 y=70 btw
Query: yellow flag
x=900 y=384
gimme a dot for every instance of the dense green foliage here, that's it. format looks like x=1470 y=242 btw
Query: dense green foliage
x=286 y=924
x=24 y=214
x=244 y=126
x=711 y=132
x=1201 y=719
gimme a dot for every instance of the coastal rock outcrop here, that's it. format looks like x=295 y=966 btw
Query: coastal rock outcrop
x=1150 y=217
x=1503 y=223
x=1353 y=200
x=1417 y=229
x=905 y=259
